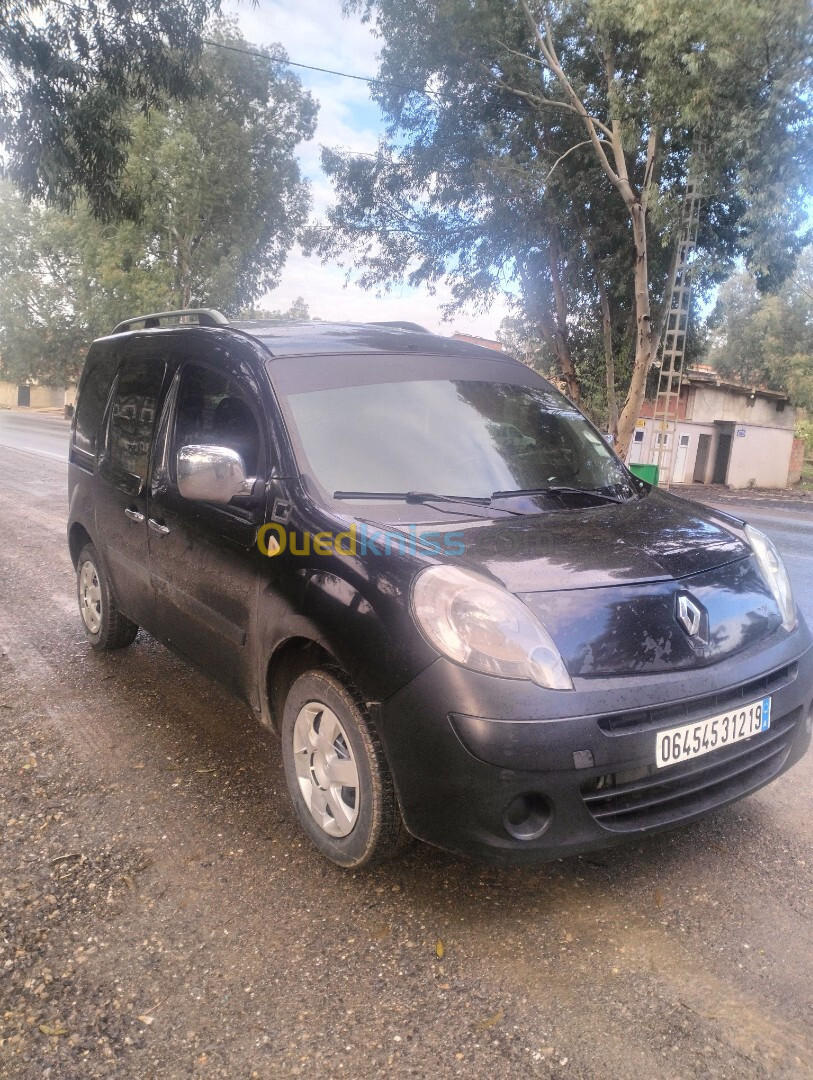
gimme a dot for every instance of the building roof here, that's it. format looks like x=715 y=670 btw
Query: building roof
x=705 y=375
x=487 y=343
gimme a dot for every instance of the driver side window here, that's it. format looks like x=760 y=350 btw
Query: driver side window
x=213 y=411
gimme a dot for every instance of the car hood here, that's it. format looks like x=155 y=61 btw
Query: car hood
x=657 y=538
x=606 y=582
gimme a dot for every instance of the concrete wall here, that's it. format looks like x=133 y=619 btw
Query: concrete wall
x=683 y=459
x=710 y=403
x=760 y=458
x=42 y=397
x=47 y=397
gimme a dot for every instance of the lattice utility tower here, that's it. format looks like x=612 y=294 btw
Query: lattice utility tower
x=665 y=413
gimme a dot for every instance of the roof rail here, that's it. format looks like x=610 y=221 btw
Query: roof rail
x=205 y=317
x=415 y=327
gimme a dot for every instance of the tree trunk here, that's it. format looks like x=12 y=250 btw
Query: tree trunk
x=609 y=358
x=607 y=333
x=561 y=344
x=644 y=340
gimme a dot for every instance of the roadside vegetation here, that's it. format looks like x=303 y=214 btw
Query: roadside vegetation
x=542 y=150
x=215 y=200
x=538 y=152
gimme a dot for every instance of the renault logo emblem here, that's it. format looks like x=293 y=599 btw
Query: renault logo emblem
x=689 y=615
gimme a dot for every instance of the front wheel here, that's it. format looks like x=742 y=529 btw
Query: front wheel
x=105 y=626
x=336 y=772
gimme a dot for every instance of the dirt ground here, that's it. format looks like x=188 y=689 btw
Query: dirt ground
x=162 y=916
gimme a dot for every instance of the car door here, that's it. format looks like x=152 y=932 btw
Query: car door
x=121 y=495
x=204 y=562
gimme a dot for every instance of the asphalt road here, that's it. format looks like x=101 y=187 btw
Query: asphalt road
x=41 y=434
x=163 y=917
x=789 y=523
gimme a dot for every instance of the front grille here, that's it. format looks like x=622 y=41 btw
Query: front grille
x=683 y=712
x=623 y=802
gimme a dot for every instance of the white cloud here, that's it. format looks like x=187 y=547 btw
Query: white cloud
x=329 y=296
x=315 y=32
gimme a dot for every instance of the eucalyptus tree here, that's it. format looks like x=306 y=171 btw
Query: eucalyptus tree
x=767 y=339
x=542 y=151
x=71 y=71
x=220 y=199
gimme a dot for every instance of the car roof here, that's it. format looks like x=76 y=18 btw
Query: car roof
x=328 y=338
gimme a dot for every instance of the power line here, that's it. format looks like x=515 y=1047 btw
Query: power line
x=313 y=67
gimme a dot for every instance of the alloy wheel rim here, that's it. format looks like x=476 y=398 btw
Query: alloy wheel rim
x=326 y=769
x=90 y=597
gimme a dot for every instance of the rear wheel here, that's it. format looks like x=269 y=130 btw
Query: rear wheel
x=104 y=624
x=336 y=772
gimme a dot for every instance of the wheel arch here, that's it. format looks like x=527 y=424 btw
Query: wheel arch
x=78 y=536
x=289 y=660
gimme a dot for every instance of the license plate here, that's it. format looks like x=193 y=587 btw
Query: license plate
x=692 y=740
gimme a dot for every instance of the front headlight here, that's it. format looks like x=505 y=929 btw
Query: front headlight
x=484 y=627
x=775 y=574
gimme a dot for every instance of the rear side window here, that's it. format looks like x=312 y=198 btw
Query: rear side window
x=93 y=393
x=132 y=422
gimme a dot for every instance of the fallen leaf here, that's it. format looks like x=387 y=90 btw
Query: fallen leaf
x=146 y=1019
x=53 y=1029
x=659 y=898
x=128 y=881
x=439 y=950
x=490 y=1021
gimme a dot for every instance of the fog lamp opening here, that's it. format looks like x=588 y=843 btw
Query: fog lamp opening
x=527 y=816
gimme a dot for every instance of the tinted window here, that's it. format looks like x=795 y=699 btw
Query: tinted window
x=458 y=437
x=93 y=393
x=132 y=421
x=213 y=411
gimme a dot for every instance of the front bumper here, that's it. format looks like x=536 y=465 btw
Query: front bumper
x=472 y=754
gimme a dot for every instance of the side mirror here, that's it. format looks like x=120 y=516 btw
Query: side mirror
x=213 y=474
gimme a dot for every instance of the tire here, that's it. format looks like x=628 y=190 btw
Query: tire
x=356 y=823
x=105 y=626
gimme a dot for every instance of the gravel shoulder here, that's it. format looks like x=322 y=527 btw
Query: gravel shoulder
x=161 y=916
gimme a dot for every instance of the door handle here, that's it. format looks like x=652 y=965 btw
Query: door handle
x=134 y=515
x=156 y=526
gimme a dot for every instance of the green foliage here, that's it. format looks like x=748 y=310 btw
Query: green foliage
x=767 y=340
x=488 y=179
x=222 y=200
x=71 y=73
x=804 y=431
x=299 y=311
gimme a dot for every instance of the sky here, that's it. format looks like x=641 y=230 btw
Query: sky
x=315 y=32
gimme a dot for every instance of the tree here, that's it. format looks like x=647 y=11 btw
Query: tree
x=71 y=71
x=222 y=193
x=767 y=340
x=222 y=200
x=299 y=311
x=544 y=151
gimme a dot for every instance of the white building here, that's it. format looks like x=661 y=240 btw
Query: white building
x=720 y=432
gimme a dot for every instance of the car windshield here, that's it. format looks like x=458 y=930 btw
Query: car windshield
x=464 y=437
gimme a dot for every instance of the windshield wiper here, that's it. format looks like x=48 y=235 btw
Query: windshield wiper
x=559 y=489
x=424 y=497
x=413 y=497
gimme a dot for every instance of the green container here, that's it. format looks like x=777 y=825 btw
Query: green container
x=646 y=472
